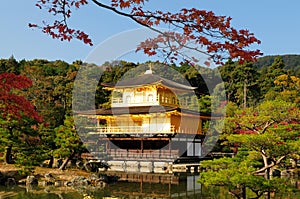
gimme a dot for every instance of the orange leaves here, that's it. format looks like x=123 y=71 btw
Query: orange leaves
x=126 y=4
x=209 y=34
x=79 y=3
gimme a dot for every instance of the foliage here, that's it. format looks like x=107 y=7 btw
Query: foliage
x=12 y=103
x=17 y=116
x=236 y=174
x=67 y=140
x=19 y=139
x=291 y=62
x=212 y=35
x=268 y=76
x=52 y=88
x=265 y=136
x=290 y=90
x=241 y=83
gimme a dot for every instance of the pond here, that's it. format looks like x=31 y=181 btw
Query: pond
x=129 y=186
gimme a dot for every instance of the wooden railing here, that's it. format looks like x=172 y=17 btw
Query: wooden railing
x=121 y=154
x=134 y=101
x=131 y=130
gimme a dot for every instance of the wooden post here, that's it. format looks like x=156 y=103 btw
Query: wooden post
x=170 y=148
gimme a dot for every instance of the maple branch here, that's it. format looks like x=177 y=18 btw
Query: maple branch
x=125 y=15
x=210 y=34
x=133 y=17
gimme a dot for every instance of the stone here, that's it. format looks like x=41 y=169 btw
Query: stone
x=10 y=182
x=31 y=180
x=80 y=181
x=2 y=179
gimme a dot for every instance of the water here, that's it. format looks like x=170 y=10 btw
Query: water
x=131 y=186
x=135 y=186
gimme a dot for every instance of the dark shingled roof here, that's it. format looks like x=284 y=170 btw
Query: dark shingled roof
x=149 y=79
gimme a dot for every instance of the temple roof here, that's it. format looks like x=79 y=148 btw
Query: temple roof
x=149 y=79
x=139 y=110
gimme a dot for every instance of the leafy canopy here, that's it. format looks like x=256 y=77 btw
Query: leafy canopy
x=211 y=34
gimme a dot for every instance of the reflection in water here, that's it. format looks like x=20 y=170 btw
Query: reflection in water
x=130 y=185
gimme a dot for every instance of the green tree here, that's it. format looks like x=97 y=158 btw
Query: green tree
x=17 y=114
x=19 y=138
x=271 y=130
x=51 y=92
x=267 y=137
x=290 y=88
x=67 y=141
x=235 y=174
x=241 y=83
x=268 y=76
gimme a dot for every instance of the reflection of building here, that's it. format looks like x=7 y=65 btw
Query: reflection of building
x=148 y=123
x=132 y=185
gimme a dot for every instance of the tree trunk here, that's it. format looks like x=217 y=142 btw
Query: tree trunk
x=64 y=164
x=8 y=155
x=245 y=94
x=50 y=165
x=268 y=195
x=244 y=192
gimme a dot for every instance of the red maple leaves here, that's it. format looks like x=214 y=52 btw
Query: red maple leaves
x=11 y=102
x=198 y=30
x=59 y=29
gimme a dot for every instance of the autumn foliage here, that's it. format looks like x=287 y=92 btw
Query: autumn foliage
x=208 y=33
x=11 y=102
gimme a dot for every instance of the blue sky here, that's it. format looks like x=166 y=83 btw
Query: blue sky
x=275 y=23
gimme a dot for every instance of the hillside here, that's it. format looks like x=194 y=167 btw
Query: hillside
x=292 y=62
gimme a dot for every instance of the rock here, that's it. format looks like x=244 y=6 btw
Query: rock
x=92 y=178
x=276 y=172
x=58 y=163
x=31 y=180
x=97 y=181
x=94 y=166
x=49 y=179
x=46 y=183
x=100 y=183
x=80 y=181
x=88 y=167
x=10 y=182
x=68 y=184
x=80 y=164
x=59 y=183
x=2 y=179
x=22 y=182
x=49 y=176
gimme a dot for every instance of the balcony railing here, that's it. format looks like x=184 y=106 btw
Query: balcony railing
x=121 y=102
x=122 y=154
x=138 y=102
x=131 y=130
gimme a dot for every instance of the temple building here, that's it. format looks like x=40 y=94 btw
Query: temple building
x=148 y=124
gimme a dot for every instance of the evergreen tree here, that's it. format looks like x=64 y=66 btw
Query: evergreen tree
x=268 y=76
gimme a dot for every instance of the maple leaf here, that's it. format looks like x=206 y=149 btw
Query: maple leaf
x=12 y=103
x=210 y=34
